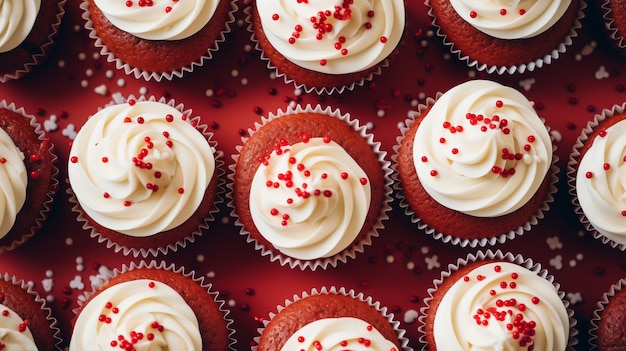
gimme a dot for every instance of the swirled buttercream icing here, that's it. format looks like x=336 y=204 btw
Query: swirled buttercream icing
x=140 y=167
x=13 y=182
x=344 y=333
x=142 y=314
x=511 y=19
x=482 y=150
x=159 y=19
x=14 y=331
x=501 y=306
x=600 y=182
x=333 y=36
x=309 y=199
x=17 y=18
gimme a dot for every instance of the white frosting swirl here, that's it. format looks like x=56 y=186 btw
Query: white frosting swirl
x=335 y=334
x=474 y=313
x=511 y=19
x=368 y=31
x=13 y=182
x=159 y=19
x=482 y=150
x=310 y=199
x=140 y=168
x=148 y=314
x=601 y=183
x=14 y=331
x=17 y=18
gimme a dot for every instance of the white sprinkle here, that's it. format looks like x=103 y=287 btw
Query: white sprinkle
x=76 y=28
x=89 y=72
x=390 y=259
x=143 y=90
x=578 y=57
x=209 y=92
x=380 y=113
x=247 y=48
x=200 y=258
x=80 y=268
x=69 y=241
x=101 y=90
x=556 y=135
x=244 y=81
x=579 y=256
x=49 y=298
x=272 y=75
x=400 y=125
x=581 y=233
x=424 y=43
x=210 y=274
x=421 y=95
x=240 y=23
x=225 y=220
x=471 y=74
x=292 y=104
x=234 y=73
x=82 y=56
x=410 y=316
x=96 y=56
x=369 y=125
x=109 y=73
x=410 y=265
x=61 y=63
x=49 y=273
x=572 y=263
x=430 y=33
x=79 y=260
x=425 y=250
x=84 y=83
x=297 y=92
x=232 y=303
x=121 y=82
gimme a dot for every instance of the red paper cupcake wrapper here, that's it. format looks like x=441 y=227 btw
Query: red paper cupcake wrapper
x=28 y=287
x=449 y=238
x=157 y=76
x=38 y=58
x=504 y=256
x=339 y=291
x=571 y=174
x=527 y=67
x=162 y=265
x=349 y=252
x=302 y=86
x=54 y=182
x=172 y=247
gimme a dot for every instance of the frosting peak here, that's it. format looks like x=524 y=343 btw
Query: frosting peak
x=333 y=36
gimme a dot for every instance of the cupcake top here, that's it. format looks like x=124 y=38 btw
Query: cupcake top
x=501 y=304
x=598 y=182
x=159 y=19
x=14 y=180
x=332 y=36
x=482 y=149
x=16 y=22
x=338 y=333
x=310 y=199
x=14 y=331
x=507 y=19
x=140 y=167
x=143 y=313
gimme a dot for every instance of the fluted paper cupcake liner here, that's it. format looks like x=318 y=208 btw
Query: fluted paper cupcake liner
x=191 y=237
x=351 y=251
x=596 y=317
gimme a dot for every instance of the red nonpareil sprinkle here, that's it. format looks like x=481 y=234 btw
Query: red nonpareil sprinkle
x=327 y=139
x=73 y=159
x=535 y=300
x=624 y=213
x=588 y=175
x=275 y=17
x=522 y=12
x=499 y=103
x=473 y=14
x=433 y=173
x=34 y=174
x=127 y=203
x=4 y=160
x=425 y=159
x=363 y=181
x=383 y=39
x=606 y=166
x=131 y=102
x=602 y=133
x=106 y=195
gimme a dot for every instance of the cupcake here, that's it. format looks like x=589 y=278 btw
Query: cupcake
x=152 y=306
x=309 y=187
x=594 y=172
x=28 y=175
x=496 y=301
x=476 y=166
x=28 y=29
x=331 y=319
x=156 y=39
x=327 y=46
x=613 y=18
x=506 y=36
x=144 y=176
x=26 y=321
x=609 y=320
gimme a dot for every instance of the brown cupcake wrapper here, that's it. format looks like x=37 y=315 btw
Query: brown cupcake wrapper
x=38 y=58
x=349 y=252
x=449 y=238
x=615 y=36
x=503 y=256
x=302 y=86
x=189 y=239
x=54 y=182
x=52 y=321
x=171 y=267
x=339 y=291
x=596 y=316
x=501 y=70
x=157 y=76
x=571 y=173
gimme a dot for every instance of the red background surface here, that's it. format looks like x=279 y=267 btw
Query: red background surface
x=567 y=93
